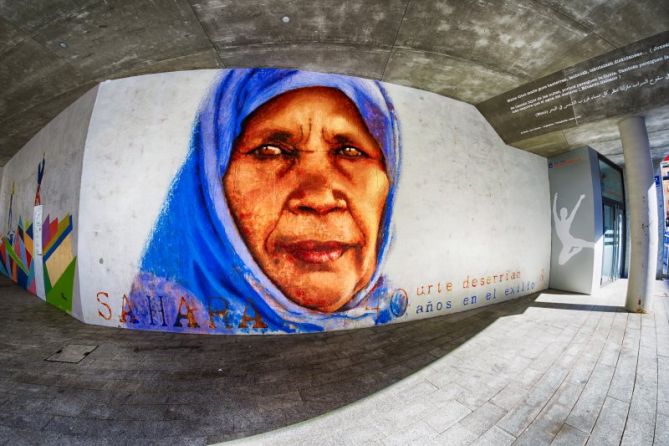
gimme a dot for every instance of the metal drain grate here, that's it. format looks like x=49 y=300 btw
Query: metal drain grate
x=72 y=353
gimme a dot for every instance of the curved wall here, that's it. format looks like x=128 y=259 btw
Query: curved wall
x=344 y=206
x=40 y=197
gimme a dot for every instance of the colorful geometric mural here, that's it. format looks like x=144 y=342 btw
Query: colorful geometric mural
x=17 y=259
x=39 y=257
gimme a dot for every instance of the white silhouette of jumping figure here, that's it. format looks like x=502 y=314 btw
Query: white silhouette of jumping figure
x=570 y=244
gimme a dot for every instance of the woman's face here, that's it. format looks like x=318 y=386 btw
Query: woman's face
x=307 y=186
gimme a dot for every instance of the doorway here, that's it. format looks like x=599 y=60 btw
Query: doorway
x=613 y=230
x=613 y=221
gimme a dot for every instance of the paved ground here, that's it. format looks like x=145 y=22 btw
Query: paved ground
x=137 y=387
x=567 y=370
x=557 y=368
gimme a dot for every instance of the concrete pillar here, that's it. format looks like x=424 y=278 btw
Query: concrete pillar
x=643 y=213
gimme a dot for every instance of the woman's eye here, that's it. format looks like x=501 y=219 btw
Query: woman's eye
x=350 y=152
x=267 y=152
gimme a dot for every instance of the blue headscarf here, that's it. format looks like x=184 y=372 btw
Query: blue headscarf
x=196 y=273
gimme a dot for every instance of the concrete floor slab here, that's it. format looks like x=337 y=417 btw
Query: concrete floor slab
x=552 y=368
x=72 y=353
x=584 y=351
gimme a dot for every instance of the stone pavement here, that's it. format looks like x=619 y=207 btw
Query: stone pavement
x=554 y=368
x=567 y=370
x=143 y=388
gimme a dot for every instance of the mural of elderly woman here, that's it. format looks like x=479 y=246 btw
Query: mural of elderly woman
x=280 y=218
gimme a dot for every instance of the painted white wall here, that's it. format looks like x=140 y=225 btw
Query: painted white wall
x=138 y=138
x=467 y=204
x=62 y=143
x=572 y=174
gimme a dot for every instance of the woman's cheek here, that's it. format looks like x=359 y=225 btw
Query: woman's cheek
x=251 y=178
x=253 y=172
x=373 y=184
x=376 y=189
x=254 y=190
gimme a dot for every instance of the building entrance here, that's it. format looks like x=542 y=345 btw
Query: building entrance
x=612 y=255
x=613 y=222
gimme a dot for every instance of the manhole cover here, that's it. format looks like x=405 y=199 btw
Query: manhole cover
x=72 y=353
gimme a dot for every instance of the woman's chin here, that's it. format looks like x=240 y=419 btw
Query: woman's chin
x=324 y=294
x=324 y=286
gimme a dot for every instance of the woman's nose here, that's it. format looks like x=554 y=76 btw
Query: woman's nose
x=317 y=191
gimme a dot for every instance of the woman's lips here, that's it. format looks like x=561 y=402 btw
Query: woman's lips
x=316 y=252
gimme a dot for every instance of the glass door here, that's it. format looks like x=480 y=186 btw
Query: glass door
x=613 y=199
x=612 y=256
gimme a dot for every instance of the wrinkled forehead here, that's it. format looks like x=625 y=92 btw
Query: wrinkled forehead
x=302 y=107
x=367 y=99
x=240 y=92
x=329 y=98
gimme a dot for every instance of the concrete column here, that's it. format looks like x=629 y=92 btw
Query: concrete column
x=643 y=213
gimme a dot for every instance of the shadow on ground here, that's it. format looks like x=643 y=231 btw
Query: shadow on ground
x=547 y=302
x=143 y=387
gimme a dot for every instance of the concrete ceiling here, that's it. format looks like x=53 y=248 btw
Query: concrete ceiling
x=52 y=51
